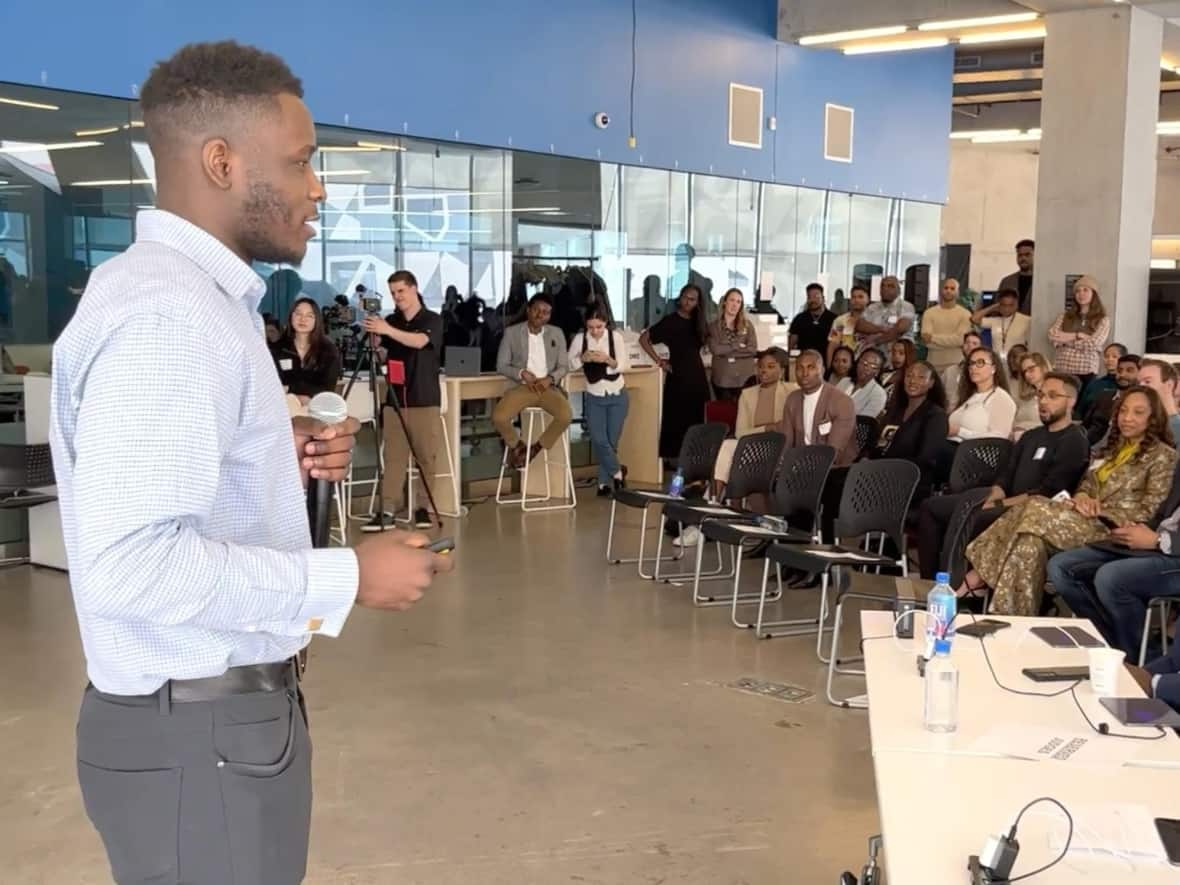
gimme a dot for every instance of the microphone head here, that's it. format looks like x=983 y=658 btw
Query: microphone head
x=328 y=407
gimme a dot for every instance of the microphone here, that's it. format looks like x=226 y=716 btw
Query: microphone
x=329 y=408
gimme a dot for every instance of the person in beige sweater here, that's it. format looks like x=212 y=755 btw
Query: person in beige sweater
x=943 y=327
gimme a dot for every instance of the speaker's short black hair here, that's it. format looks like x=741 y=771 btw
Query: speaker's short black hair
x=1071 y=382
x=1131 y=358
x=540 y=296
x=404 y=277
x=1026 y=244
x=194 y=89
x=815 y=286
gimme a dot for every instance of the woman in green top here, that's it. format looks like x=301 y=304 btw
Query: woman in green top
x=1125 y=485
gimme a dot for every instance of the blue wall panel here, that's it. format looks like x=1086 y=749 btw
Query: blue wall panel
x=530 y=74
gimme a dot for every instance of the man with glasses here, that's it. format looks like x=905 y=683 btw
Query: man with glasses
x=1047 y=460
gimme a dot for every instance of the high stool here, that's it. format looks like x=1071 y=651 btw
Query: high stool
x=531 y=419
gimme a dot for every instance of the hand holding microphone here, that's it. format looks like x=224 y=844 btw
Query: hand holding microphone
x=329 y=411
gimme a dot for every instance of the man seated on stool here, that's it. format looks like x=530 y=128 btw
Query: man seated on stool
x=1112 y=589
x=532 y=354
x=1161 y=679
x=817 y=414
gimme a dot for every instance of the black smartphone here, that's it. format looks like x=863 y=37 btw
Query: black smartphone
x=1169 y=831
x=1056 y=674
x=983 y=627
x=442 y=545
x=1082 y=638
x=1054 y=636
x=1107 y=521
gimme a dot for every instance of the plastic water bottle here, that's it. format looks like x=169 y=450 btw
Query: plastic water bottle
x=941 y=713
x=676 y=487
x=941 y=607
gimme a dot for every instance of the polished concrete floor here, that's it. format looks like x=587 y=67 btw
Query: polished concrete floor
x=539 y=718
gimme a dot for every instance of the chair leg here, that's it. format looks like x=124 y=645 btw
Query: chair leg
x=796 y=626
x=855 y=702
x=1143 y=641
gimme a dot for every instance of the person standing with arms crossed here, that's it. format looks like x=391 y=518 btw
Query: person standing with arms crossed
x=412 y=335
x=189 y=548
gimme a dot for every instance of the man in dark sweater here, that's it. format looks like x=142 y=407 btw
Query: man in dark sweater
x=1112 y=586
x=1047 y=460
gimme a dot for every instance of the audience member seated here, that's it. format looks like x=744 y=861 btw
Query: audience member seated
x=902 y=355
x=1096 y=420
x=844 y=328
x=985 y=407
x=1161 y=679
x=1162 y=378
x=1009 y=327
x=914 y=427
x=274 y=332
x=817 y=414
x=944 y=325
x=734 y=347
x=868 y=396
x=759 y=408
x=1031 y=375
x=842 y=364
x=533 y=355
x=1012 y=362
x=952 y=376
x=1108 y=380
x=307 y=360
x=1126 y=484
x=1046 y=461
x=1079 y=333
x=1112 y=586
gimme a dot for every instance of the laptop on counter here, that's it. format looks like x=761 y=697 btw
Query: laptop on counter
x=462 y=362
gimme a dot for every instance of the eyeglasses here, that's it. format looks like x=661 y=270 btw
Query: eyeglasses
x=1051 y=394
x=979 y=364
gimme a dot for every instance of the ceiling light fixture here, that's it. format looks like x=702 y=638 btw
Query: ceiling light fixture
x=36 y=105
x=971 y=134
x=980 y=22
x=1030 y=135
x=1002 y=36
x=32 y=147
x=112 y=182
x=344 y=172
x=81 y=133
x=842 y=36
x=346 y=149
x=378 y=146
x=898 y=46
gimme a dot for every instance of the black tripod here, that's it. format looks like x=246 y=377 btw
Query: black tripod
x=367 y=359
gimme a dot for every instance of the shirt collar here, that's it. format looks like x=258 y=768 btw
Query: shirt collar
x=234 y=276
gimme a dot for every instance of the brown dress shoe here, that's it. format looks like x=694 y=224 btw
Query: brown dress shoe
x=516 y=456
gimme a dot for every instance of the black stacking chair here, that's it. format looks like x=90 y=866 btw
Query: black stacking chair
x=977 y=463
x=874 y=504
x=22 y=469
x=698 y=454
x=865 y=433
x=755 y=463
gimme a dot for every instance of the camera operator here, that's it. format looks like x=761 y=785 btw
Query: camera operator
x=413 y=335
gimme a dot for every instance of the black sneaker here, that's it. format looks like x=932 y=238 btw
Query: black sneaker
x=381 y=522
x=605 y=491
x=422 y=519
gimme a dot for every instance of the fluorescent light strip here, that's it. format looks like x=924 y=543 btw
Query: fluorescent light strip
x=980 y=22
x=981 y=133
x=841 y=36
x=899 y=46
x=346 y=149
x=37 y=105
x=82 y=133
x=344 y=172
x=112 y=182
x=378 y=146
x=1002 y=36
x=59 y=146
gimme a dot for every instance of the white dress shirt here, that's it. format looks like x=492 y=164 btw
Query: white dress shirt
x=538 y=365
x=613 y=384
x=869 y=400
x=810 y=401
x=182 y=508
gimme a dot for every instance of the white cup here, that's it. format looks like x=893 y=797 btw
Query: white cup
x=1105 y=664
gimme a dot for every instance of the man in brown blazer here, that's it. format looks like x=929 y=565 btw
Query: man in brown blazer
x=817 y=413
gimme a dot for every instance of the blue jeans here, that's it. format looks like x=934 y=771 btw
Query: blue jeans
x=604 y=419
x=1112 y=590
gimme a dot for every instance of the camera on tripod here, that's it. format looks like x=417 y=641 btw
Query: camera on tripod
x=371 y=305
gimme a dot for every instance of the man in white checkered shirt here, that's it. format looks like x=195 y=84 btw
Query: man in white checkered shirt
x=179 y=473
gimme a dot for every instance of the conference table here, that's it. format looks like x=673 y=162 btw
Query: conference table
x=941 y=795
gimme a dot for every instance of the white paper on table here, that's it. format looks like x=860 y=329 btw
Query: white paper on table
x=1039 y=743
x=1114 y=832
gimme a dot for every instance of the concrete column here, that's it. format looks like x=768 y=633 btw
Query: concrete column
x=1096 y=178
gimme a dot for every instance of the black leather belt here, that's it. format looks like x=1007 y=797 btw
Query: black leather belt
x=236 y=680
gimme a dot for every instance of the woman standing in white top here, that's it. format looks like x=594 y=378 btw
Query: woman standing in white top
x=601 y=353
x=986 y=408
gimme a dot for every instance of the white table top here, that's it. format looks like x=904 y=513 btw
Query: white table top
x=896 y=693
x=930 y=831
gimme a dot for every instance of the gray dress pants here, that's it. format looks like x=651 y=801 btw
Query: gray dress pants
x=207 y=793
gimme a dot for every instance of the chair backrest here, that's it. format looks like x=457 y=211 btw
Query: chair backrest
x=876 y=498
x=978 y=462
x=755 y=461
x=724 y=411
x=953 y=558
x=802 y=473
x=25 y=467
x=698 y=452
x=866 y=433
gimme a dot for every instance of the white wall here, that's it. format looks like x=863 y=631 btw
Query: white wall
x=993 y=203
